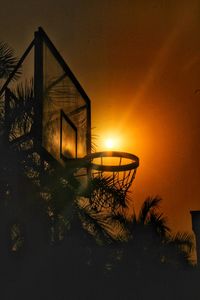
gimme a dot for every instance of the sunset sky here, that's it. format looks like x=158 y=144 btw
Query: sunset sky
x=139 y=62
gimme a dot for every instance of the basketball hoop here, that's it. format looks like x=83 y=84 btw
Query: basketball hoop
x=112 y=173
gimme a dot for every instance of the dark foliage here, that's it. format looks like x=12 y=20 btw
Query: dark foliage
x=8 y=61
x=58 y=244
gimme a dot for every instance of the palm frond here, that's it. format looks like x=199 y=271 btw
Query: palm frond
x=8 y=61
x=149 y=204
x=105 y=184
x=21 y=109
x=159 y=223
x=93 y=142
x=104 y=194
x=24 y=91
x=97 y=225
x=183 y=240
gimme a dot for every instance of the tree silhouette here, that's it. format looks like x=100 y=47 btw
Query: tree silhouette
x=150 y=243
x=63 y=236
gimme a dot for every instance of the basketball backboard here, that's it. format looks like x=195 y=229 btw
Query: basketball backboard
x=62 y=121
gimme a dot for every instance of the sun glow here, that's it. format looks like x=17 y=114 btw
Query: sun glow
x=111 y=143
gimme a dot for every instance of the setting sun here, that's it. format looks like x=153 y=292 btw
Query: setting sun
x=111 y=143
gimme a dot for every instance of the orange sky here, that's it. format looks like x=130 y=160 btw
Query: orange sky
x=139 y=62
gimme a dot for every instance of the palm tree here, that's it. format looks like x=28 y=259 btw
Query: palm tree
x=8 y=62
x=151 y=242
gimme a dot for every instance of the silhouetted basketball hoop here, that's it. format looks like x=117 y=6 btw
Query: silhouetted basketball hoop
x=112 y=173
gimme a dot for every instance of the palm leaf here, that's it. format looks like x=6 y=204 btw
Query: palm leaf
x=95 y=224
x=149 y=204
x=183 y=240
x=8 y=61
x=94 y=137
x=21 y=110
x=159 y=223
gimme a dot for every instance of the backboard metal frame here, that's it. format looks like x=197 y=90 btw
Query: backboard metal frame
x=41 y=38
x=73 y=127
